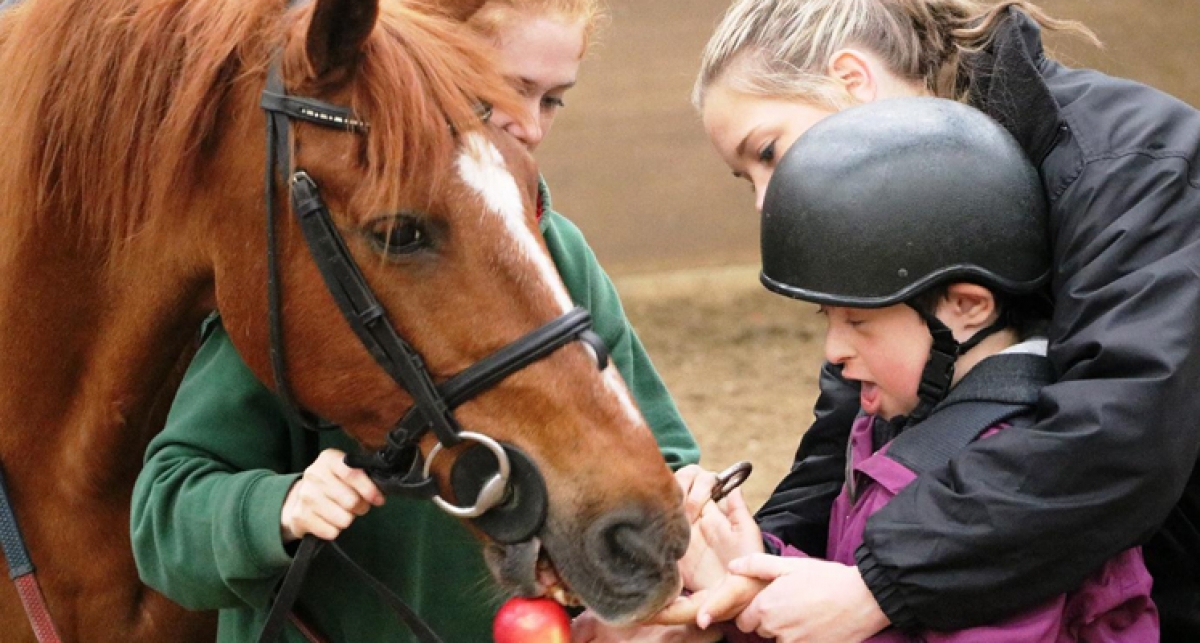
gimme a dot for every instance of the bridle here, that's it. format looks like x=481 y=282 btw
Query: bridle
x=507 y=495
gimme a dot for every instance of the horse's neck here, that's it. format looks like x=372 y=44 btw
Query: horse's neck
x=89 y=357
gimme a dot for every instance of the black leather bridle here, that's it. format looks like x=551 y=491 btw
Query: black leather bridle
x=507 y=493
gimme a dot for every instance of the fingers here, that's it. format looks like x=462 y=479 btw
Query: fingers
x=332 y=462
x=727 y=600
x=763 y=566
x=737 y=511
x=682 y=611
x=697 y=485
x=327 y=498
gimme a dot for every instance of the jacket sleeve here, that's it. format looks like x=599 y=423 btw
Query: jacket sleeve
x=1030 y=512
x=798 y=510
x=206 y=505
x=591 y=288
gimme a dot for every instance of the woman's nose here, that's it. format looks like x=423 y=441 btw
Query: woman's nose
x=527 y=130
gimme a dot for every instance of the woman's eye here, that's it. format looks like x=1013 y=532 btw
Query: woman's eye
x=551 y=103
x=399 y=236
x=767 y=154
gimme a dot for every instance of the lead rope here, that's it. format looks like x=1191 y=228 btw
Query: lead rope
x=21 y=571
x=281 y=611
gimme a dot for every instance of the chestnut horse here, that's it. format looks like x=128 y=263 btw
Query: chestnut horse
x=131 y=204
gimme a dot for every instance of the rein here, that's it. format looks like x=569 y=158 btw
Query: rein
x=509 y=499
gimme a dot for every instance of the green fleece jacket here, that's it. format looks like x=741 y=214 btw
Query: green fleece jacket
x=206 y=507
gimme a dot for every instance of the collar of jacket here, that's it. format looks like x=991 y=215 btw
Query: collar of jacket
x=1007 y=85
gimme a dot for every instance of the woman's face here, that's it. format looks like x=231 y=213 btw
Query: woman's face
x=540 y=55
x=751 y=133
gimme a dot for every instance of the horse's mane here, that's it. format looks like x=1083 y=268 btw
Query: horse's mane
x=115 y=103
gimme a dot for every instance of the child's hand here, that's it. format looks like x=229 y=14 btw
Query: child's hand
x=729 y=530
x=722 y=602
x=727 y=600
x=587 y=628
x=327 y=498
x=721 y=531
x=697 y=485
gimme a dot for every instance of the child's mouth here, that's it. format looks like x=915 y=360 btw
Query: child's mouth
x=868 y=398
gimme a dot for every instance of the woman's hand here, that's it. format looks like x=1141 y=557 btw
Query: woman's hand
x=327 y=498
x=813 y=601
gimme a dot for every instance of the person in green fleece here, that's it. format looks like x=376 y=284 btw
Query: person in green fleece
x=228 y=484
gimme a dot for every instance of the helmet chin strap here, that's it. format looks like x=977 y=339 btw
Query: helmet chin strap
x=938 y=374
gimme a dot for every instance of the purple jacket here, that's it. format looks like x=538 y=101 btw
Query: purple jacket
x=1113 y=605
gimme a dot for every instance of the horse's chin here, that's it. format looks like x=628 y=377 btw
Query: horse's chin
x=527 y=570
x=565 y=568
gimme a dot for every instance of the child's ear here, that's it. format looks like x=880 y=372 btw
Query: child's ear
x=967 y=307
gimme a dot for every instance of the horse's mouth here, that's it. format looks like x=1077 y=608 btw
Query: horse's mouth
x=528 y=569
x=552 y=584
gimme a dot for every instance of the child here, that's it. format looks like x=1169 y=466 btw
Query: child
x=919 y=226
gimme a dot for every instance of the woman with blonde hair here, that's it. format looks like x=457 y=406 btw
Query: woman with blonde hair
x=1111 y=461
x=227 y=446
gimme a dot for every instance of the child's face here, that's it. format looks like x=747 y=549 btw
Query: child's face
x=883 y=348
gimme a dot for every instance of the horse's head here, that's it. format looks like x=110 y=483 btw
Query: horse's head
x=438 y=211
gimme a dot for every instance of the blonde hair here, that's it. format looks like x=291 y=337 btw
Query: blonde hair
x=783 y=48
x=496 y=15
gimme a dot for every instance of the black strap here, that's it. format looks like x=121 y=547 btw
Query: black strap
x=490 y=370
x=1000 y=388
x=938 y=374
x=277 y=169
x=293 y=582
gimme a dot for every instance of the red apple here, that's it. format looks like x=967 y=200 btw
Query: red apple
x=531 y=620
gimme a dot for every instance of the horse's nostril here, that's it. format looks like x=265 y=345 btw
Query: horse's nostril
x=634 y=543
x=628 y=549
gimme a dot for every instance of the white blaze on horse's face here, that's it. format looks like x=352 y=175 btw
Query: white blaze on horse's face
x=481 y=166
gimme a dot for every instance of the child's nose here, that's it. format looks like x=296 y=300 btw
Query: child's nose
x=837 y=350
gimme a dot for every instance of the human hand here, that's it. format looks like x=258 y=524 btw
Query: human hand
x=327 y=498
x=700 y=566
x=588 y=628
x=720 y=603
x=721 y=530
x=697 y=485
x=809 y=600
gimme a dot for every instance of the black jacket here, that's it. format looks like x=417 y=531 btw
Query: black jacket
x=1111 y=462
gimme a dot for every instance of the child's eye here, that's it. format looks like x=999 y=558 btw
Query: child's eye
x=767 y=153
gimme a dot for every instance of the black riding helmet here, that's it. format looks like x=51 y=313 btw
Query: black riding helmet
x=882 y=202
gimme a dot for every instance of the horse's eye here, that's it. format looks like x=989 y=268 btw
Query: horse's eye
x=399 y=236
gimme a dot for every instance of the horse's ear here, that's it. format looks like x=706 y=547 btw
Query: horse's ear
x=460 y=10
x=337 y=32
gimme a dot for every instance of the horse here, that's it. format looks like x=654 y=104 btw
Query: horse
x=131 y=205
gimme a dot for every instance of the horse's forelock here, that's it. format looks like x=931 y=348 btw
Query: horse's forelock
x=421 y=77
